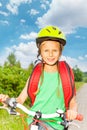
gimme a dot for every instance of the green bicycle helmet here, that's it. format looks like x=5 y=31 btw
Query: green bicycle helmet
x=50 y=33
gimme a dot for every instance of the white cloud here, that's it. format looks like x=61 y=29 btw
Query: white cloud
x=66 y=14
x=33 y=12
x=0 y=4
x=12 y=8
x=4 y=13
x=77 y=36
x=81 y=58
x=30 y=36
x=24 y=52
x=4 y=22
x=44 y=4
x=4 y=59
x=70 y=60
x=22 y=20
x=13 y=5
x=86 y=56
x=82 y=64
x=80 y=37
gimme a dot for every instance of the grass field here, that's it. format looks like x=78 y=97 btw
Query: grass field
x=9 y=122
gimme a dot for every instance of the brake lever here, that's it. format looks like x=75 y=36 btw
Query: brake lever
x=11 y=111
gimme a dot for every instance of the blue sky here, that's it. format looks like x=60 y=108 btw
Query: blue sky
x=20 y=21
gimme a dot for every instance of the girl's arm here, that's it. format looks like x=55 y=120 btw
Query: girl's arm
x=73 y=104
x=72 y=112
x=23 y=95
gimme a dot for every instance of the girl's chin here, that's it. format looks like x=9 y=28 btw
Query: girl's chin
x=51 y=63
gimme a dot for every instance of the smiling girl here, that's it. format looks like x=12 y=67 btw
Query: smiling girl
x=50 y=96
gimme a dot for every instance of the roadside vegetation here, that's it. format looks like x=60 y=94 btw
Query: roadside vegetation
x=12 y=80
x=78 y=85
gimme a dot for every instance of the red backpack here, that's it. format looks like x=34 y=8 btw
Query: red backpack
x=67 y=79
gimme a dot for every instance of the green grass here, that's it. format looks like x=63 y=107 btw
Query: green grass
x=10 y=122
x=78 y=85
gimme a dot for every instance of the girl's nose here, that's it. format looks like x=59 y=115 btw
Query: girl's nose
x=50 y=53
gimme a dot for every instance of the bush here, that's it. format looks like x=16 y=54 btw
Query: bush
x=12 y=80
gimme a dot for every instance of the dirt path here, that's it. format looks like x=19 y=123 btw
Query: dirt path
x=82 y=108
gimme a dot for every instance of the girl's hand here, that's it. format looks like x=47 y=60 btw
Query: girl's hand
x=71 y=114
x=3 y=98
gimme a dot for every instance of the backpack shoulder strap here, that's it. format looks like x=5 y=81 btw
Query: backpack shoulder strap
x=33 y=81
x=67 y=79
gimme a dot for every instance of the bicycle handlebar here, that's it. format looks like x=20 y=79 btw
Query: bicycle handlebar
x=57 y=114
x=11 y=102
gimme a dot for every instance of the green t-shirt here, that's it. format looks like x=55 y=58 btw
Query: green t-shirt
x=50 y=97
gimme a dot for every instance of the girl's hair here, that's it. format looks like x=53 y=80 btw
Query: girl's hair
x=41 y=79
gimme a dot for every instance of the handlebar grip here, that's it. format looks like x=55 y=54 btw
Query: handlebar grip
x=6 y=101
x=79 y=117
x=11 y=102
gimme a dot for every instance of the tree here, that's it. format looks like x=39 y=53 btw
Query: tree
x=78 y=74
x=11 y=61
x=18 y=64
x=30 y=68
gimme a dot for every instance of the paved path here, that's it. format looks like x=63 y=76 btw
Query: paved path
x=82 y=108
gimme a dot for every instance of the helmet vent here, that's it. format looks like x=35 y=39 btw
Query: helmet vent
x=54 y=28
x=59 y=32
x=48 y=30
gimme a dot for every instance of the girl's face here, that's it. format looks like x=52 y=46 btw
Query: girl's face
x=50 y=52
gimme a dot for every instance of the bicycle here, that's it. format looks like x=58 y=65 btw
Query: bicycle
x=12 y=105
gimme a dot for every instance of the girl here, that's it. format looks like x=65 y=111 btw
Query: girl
x=50 y=96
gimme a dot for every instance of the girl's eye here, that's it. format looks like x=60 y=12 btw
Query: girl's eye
x=55 y=50
x=46 y=50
